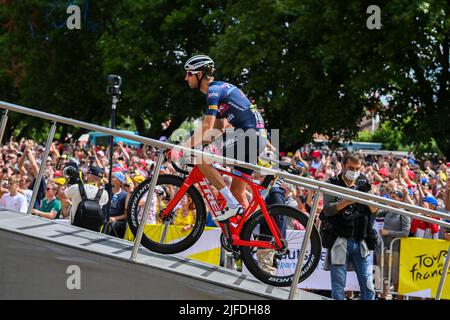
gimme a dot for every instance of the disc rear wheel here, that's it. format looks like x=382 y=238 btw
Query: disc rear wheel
x=277 y=267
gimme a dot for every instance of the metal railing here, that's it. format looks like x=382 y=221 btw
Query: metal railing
x=358 y=196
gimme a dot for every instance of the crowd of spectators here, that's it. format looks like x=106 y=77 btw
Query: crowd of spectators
x=424 y=183
x=394 y=176
x=20 y=162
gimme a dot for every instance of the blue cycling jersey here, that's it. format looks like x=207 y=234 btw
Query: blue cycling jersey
x=226 y=101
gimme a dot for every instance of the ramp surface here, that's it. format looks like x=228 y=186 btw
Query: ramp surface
x=35 y=256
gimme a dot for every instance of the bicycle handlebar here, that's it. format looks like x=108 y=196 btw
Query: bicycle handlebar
x=178 y=169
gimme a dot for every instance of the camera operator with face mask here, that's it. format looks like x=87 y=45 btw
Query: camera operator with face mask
x=347 y=232
x=87 y=200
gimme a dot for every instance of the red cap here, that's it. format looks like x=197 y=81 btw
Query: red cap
x=320 y=175
x=383 y=172
x=117 y=169
x=57 y=174
x=316 y=154
x=411 y=175
x=142 y=162
x=448 y=164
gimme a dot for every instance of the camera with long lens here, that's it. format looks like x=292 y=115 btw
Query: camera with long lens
x=72 y=174
x=114 y=83
x=349 y=211
x=363 y=185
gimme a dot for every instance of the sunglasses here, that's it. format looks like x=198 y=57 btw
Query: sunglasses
x=191 y=73
x=49 y=189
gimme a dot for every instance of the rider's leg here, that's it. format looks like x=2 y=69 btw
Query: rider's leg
x=217 y=181
x=212 y=175
x=238 y=190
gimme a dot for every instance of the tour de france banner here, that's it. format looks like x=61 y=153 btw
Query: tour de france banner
x=320 y=279
x=207 y=249
x=421 y=265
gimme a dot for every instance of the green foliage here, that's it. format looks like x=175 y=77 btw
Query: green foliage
x=313 y=66
x=427 y=150
x=393 y=139
x=365 y=136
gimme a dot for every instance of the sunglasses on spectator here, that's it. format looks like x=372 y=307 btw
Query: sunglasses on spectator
x=49 y=189
x=191 y=73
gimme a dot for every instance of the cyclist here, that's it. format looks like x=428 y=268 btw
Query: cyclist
x=226 y=105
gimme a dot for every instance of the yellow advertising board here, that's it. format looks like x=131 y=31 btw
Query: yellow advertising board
x=207 y=249
x=421 y=265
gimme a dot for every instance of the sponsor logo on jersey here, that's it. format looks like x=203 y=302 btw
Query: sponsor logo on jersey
x=234 y=105
x=223 y=108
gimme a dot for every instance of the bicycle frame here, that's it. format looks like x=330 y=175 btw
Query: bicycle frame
x=196 y=177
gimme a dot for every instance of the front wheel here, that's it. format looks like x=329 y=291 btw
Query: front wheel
x=278 y=268
x=184 y=225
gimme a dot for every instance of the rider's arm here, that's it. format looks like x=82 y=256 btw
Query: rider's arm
x=209 y=121
x=220 y=124
x=197 y=137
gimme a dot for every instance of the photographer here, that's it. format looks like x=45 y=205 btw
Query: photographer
x=347 y=232
x=82 y=215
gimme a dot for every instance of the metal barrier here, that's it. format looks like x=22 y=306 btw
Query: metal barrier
x=346 y=193
x=390 y=264
x=381 y=266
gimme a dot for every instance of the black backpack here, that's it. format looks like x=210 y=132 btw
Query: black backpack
x=89 y=214
x=326 y=231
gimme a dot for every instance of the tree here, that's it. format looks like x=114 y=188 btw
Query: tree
x=148 y=46
x=317 y=68
x=314 y=66
x=50 y=67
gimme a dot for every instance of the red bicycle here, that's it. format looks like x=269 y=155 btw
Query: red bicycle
x=267 y=238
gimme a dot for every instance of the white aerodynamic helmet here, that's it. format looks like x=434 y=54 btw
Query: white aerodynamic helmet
x=200 y=63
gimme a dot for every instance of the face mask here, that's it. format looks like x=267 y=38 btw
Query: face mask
x=351 y=175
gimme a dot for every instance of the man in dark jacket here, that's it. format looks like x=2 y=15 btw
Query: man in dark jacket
x=352 y=235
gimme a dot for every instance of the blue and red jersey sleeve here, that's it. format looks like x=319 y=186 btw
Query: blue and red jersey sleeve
x=212 y=101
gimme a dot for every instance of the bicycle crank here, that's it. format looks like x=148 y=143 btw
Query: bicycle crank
x=168 y=218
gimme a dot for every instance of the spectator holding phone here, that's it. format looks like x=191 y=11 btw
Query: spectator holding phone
x=32 y=170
